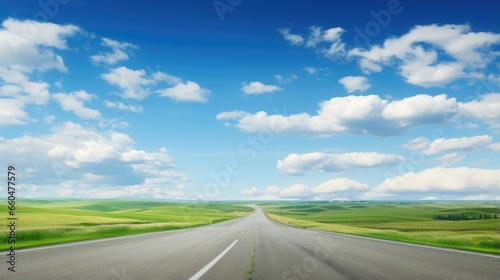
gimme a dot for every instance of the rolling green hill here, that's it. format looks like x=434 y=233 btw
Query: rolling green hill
x=51 y=221
x=409 y=222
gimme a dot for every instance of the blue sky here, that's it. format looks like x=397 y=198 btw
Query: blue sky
x=218 y=100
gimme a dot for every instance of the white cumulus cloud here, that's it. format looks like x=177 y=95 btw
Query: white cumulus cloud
x=339 y=185
x=256 y=88
x=189 y=91
x=122 y=106
x=357 y=115
x=418 y=54
x=293 y=39
x=450 y=183
x=295 y=164
x=79 y=161
x=117 y=53
x=427 y=55
x=327 y=42
x=73 y=102
x=355 y=83
x=26 y=45
x=440 y=145
x=330 y=190
x=137 y=84
x=450 y=159
x=486 y=108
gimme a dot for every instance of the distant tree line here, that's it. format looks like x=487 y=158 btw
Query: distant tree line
x=463 y=217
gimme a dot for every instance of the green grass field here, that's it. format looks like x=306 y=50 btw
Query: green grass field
x=408 y=222
x=45 y=221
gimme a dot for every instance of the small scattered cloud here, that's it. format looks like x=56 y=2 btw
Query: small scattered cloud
x=355 y=83
x=257 y=88
x=136 y=84
x=311 y=70
x=186 y=92
x=230 y=115
x=327 y=42
x=339 y=185
x=133 y=82
x=330 y=190
x=285 y=79
x=122 y=106
x=440 y=145
x=494 y=147
x=74 y=102
x=450 y=159
x=293 y=39
x=117 y=54
x=426 y=56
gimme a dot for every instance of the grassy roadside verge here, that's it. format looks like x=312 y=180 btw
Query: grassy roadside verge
x=406 y=223
x=47 y=222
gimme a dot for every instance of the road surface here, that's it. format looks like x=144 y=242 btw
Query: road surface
x=227 y=251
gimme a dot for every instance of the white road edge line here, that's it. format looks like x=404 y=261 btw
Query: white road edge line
x=78 y=243
x=392 y=241
x=212 y=263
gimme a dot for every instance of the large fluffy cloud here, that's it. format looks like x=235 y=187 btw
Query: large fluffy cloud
x=19 y=91
x=447 y=183
x=368 y=115
x=356 y=115
x=295 y=164
x=486 y=108
x=28 y=47
x=26 y=44
x=12 y=113
x=75 y=160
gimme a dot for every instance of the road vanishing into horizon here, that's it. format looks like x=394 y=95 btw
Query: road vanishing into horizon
x=251 y=247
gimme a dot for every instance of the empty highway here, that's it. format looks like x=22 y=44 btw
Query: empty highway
x=251 y=247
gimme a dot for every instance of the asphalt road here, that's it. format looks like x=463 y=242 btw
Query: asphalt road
x=226 y=250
